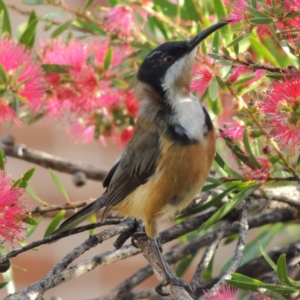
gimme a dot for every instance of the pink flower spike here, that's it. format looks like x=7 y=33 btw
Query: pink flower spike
x=236 y=10
x=225 y=292
x=258 y=74
x=237 y=71
x=233 y=130
x=202 y=78
x=120 y=20
x=281 y=107
x=12 y=210
x=24 y=79
x=256 y=173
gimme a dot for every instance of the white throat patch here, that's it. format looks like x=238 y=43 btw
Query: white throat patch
x=188 y=112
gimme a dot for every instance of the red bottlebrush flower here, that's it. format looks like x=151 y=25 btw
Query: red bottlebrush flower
x=258 y=174
x=202 y=78
x=12 y=210
x=86 y=86
x=131 y=103
x=225 y=292
x=236 y=9
x=24 y=80
x=281 y=107
x=236 y=73
x=126 y=135
x=233 y=130
x=121 y=21
x=258 y=74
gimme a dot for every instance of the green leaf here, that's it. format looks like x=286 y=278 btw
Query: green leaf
x=2 y=160
x=25 y=178
x=219 y=160
x=54 y=223
x=119 y=83
x=6 y=27
x=221 y=13
x=191 y=10
x=242 y=81
x=260 y=21
x=283 y=274
x=93 y=219
x=108 y=58
x=213 y=90
x=250 y=284
x=183 y=264
x=60 y=29
x=31 y=228
x=168 y=8
x=28 y=36
x=220 y=82
x=238 y=39
x=35 y=2
x=88 y=4
x=31 y=192
x=59 y=185
x=89 y=26
x=30 y=221
x=235 y=46
x=208 y=204
x=262 y=51
x=3 y=75
x=53 y=68
x=215 y=42
x=214 y=55
x=267 y=258
x=256 y=13
x=249 y=149
x=3 y=284
x=227 y=207
x=252 y=249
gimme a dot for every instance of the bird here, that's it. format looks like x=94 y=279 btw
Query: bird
x=167 y=160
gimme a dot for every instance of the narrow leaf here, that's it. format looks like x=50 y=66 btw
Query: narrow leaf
x=108 y=58
x=260 y=21
x=2 y=161
x=54 y=223
x=214 y=55
x=32 y=227
x=256 y=13
x=237 y=39
x=60 y=29
x=3 y=284
x=53 y=68
x=31 y=192
x=267 y=258
x=26 y=177
x=59 y=185
x=35 y=2
x=28 y=36
x=93 y=219
x=208 y=204
x=6 y=27
x=249 y=149
x=215 y=42
x=213 y=90
x=227 y=207
x=3 y=75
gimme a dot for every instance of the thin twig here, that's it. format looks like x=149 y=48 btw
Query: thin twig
x=208 y=254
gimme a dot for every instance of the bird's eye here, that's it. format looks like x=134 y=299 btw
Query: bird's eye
x=168 y=58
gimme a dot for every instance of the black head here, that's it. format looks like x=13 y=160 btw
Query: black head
x=171 y=61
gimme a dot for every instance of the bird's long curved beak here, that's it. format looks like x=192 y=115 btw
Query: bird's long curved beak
x=194 y=41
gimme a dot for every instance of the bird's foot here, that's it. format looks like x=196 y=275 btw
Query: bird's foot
x=172 y=279
x=136 y=236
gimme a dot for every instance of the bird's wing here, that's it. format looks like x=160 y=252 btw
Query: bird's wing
x=136 y=166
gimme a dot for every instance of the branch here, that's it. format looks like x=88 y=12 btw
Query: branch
x=52 y=238
x=46 y=160
x=37 y=290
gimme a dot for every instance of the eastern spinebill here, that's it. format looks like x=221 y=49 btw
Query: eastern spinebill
x=167 y=160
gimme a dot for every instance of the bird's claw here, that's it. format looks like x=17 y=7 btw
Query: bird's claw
x=136 y=236
x=172 y=279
